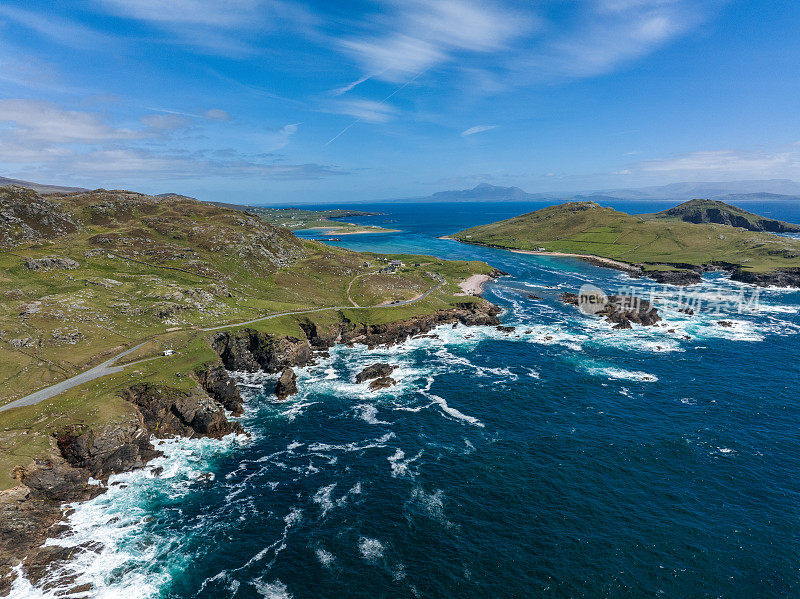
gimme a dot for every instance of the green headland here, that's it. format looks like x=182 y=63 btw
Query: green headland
x=662 y=245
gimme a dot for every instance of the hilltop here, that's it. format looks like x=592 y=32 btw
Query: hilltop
x=714 y=211
x=669 y=250
x=38 y=187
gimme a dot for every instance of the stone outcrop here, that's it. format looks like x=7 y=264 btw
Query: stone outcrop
x=25 y=216
x=375 y=371
x=250 y=351
x=623 y=311
x=472 y=314
x=29 y=513
x=676 y=277
x=114 y=449
x=169 y=412
x=219 y=385
x=782 y=277
x=287 y=384
x=50 y=263
x=382 y=383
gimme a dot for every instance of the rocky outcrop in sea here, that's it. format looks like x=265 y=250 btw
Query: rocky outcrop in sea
x=622 y=311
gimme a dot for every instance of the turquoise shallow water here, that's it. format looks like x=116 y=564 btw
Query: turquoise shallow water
x=564 y=460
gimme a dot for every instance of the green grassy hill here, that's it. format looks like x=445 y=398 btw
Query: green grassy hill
x=712 y=211
x=654 y=244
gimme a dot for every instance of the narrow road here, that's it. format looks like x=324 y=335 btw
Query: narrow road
x=108 y=367
x=103 y=369
x=392 y=305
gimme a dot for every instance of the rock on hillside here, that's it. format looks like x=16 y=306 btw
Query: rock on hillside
x=27 y=217
x=713 y=211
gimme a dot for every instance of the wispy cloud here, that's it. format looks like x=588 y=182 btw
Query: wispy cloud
x=226 y=28
x=606 y=34
x=62 y=31
x=477 y=129
x=38 y=121
x=784 y=162
x=43 y=138
x=415 y=36
x=370 y=111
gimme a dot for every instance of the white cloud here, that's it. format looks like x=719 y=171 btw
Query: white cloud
x=217 y=114
x=742 y=164
x=228 y=14
x=365 y=110
x=46 y=122
x=62 y=31
x=421 y=34
x=610 y=33
x=43 y=139
x=477 y=129
x=227 y=28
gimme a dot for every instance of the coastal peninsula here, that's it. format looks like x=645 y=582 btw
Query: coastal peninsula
x=662 y=246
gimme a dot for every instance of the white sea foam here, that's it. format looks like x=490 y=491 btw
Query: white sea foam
x=326 y=558
x=399 y=463
x=612 y=372
x=109 y=522
x=370 y=549
x=271 y=590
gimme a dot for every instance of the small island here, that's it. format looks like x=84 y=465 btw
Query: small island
x=675 y=246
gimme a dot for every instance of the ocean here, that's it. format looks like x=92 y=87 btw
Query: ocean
x=562 y=460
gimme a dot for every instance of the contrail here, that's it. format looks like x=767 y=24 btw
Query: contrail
x=386 y=99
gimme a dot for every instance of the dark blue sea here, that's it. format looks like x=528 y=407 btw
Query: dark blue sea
x=562 y=460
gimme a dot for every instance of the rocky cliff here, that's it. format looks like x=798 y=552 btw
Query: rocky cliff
x=783 y=277
x=86 y=457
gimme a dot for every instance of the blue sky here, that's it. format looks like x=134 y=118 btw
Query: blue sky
x=270 y=101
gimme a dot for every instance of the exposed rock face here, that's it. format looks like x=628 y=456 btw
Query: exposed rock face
x=676 y=277
x=219 y=385
x=25 y=216
x=29 y=513
x=623 y=311
x=714 y=211
x=168 y=412
x=287 y=384
x=382 y=383
x=114 y=449
x=51 y=262
x=375 y=371
x=473 y=314
x=252 y=351
x=783 y=277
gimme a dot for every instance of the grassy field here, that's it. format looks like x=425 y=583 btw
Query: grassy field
x=587 y=228
x=159 y=270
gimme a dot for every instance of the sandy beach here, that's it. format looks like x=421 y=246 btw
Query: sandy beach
x=474 y=284
x=588 y=257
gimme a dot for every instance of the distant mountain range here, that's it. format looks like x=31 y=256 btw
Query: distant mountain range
x=773 y=189
x=38 y=187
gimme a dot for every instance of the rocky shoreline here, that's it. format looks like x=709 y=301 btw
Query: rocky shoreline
x=31 y=512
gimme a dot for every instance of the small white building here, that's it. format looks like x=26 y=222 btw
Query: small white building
x=169 y=352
